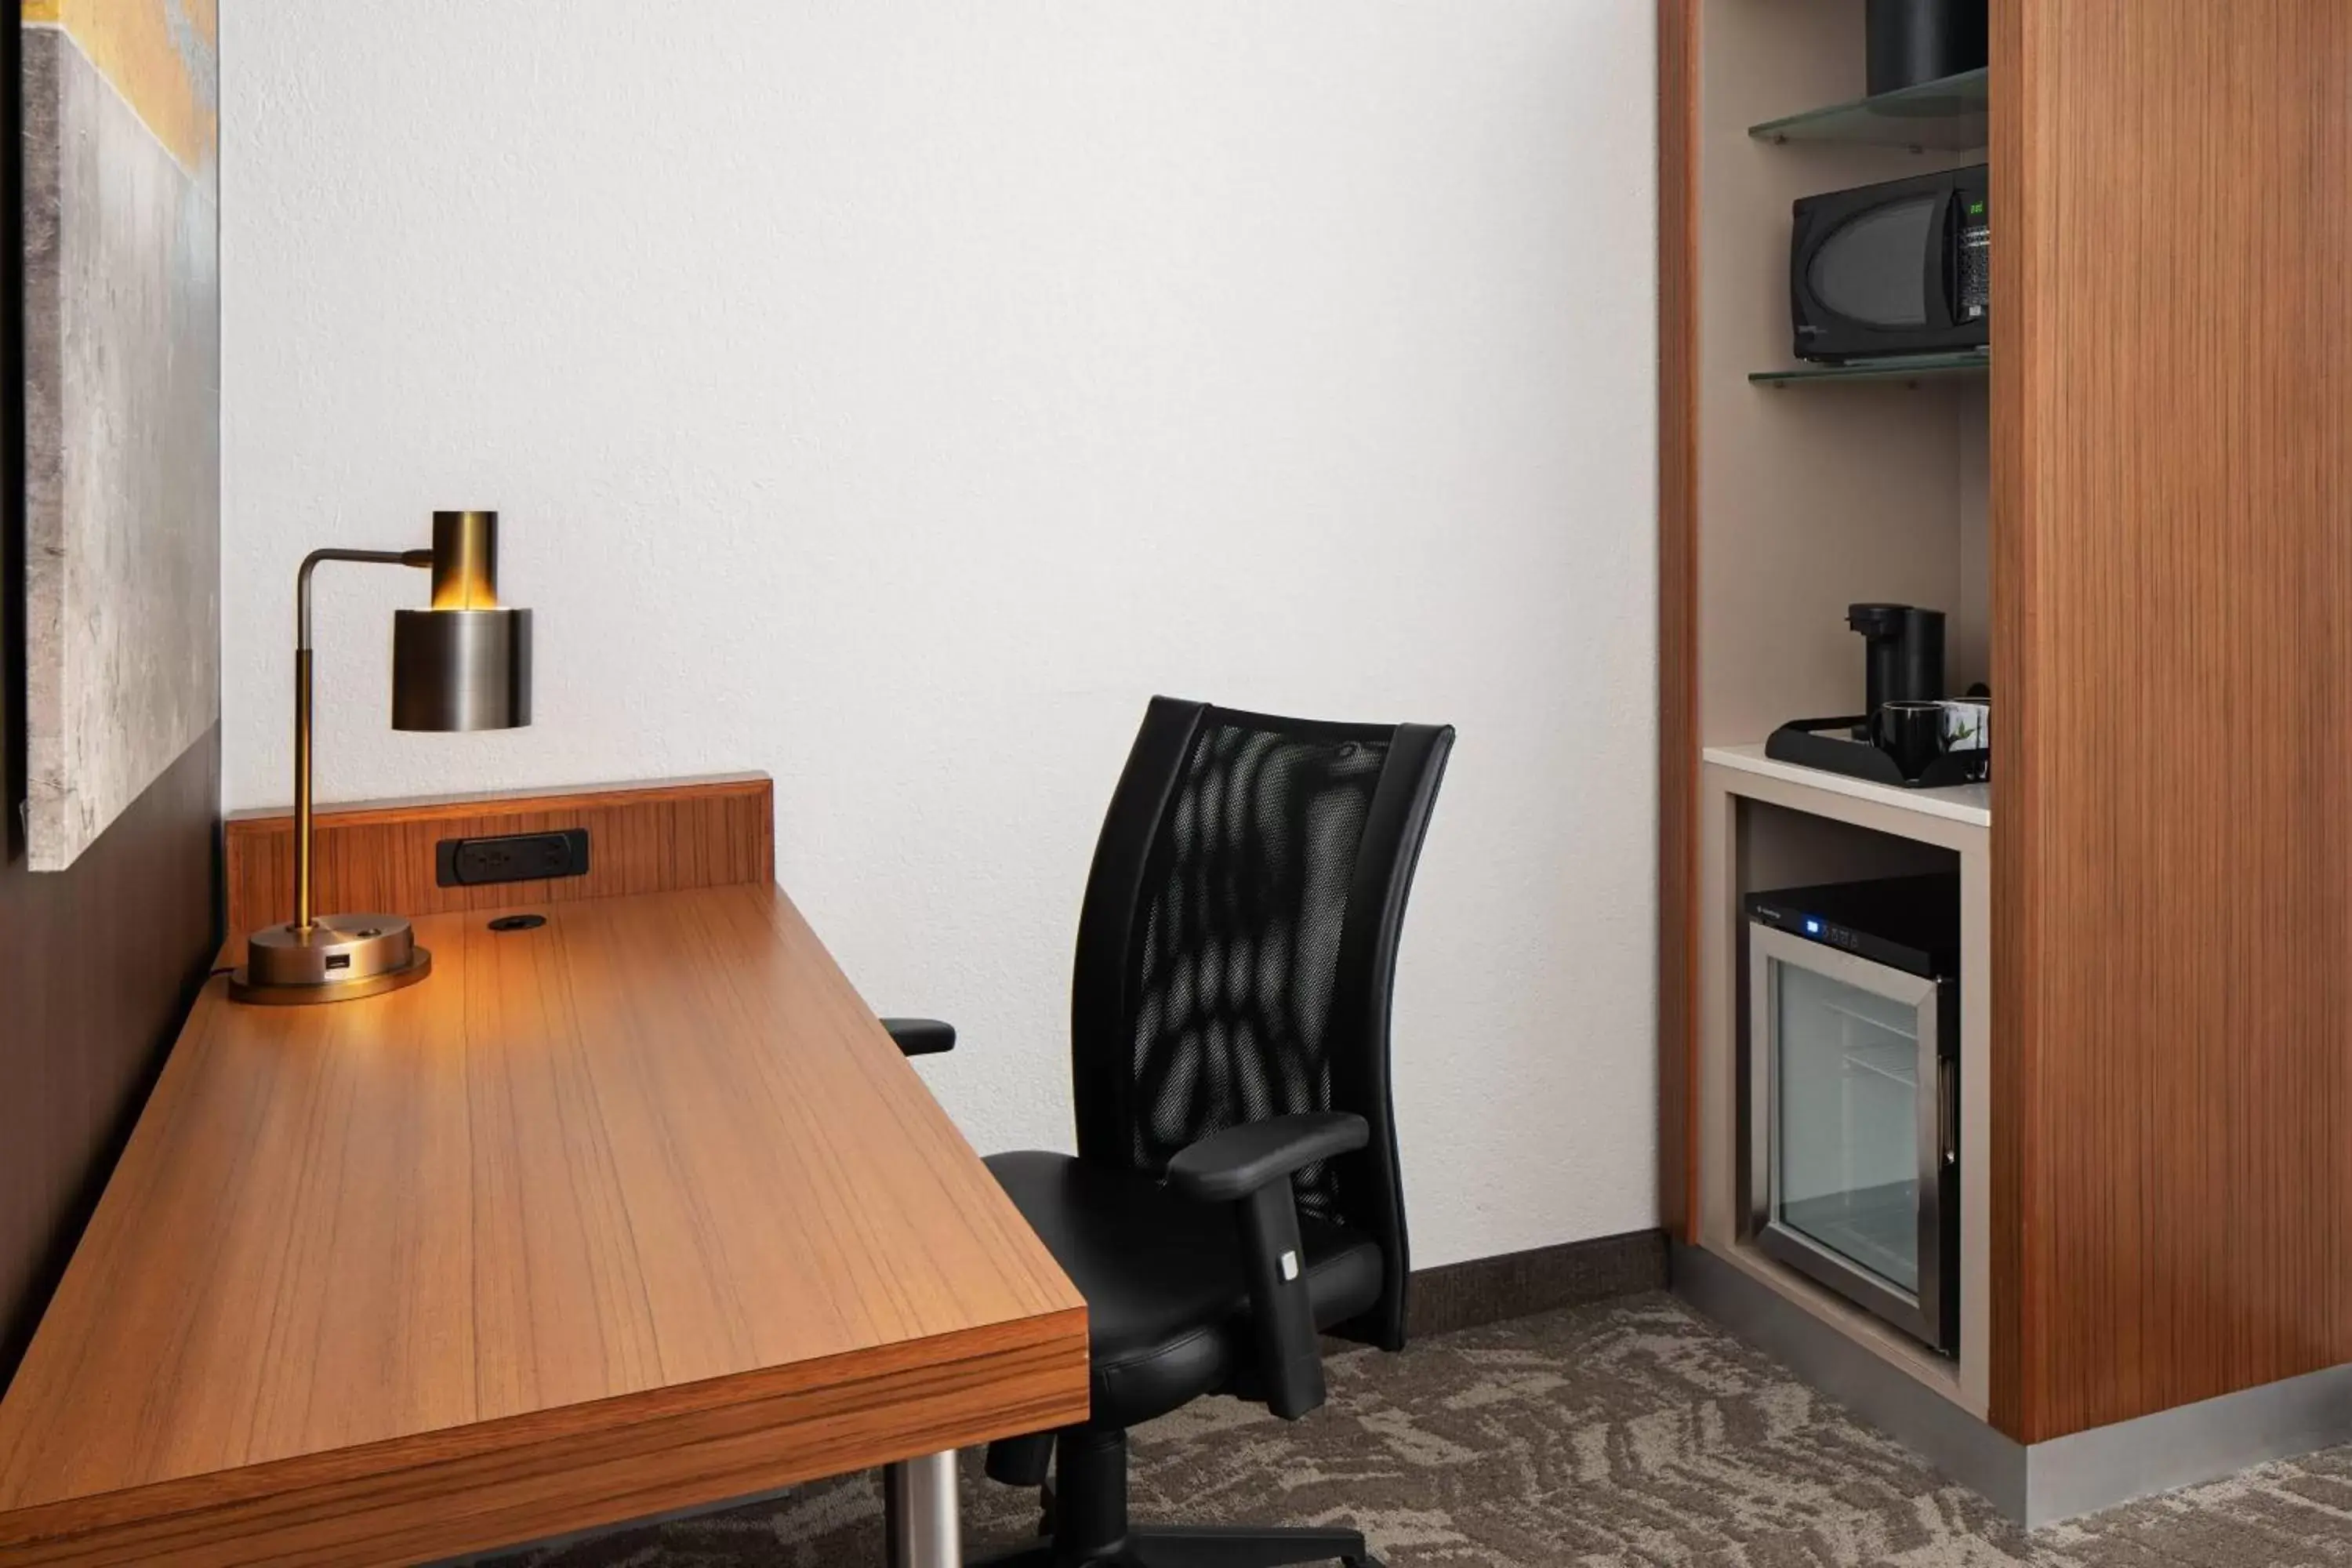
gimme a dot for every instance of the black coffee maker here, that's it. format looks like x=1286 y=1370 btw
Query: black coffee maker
x=1909 y=733
x=1904 y=653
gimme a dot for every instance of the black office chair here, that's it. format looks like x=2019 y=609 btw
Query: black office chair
x=1235 y=1189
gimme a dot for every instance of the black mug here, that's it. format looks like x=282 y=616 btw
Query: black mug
x=1910 y=733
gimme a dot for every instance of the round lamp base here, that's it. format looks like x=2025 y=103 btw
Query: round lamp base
x=336 y=958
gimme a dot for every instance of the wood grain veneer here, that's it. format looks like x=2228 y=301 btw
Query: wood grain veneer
x=2172 y=473
x=378 y=856
x=2017 y=275
x=633 y=1212
x=1678 y=742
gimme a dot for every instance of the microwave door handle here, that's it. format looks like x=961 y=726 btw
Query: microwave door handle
x=1943 y=273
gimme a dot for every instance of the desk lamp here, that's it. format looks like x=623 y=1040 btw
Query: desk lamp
x=464 y=664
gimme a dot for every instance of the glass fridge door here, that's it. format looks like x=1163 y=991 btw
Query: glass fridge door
x=1846 y=1135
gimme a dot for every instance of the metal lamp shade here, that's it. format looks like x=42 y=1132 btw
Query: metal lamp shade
x=460 y=669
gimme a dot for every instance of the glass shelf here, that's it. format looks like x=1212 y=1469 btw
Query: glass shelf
x=1944 y=116
x=1894 y=367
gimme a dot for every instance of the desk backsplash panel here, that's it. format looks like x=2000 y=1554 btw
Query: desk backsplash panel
x=379 y=856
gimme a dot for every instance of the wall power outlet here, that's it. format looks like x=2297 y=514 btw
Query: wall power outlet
x=513 y=857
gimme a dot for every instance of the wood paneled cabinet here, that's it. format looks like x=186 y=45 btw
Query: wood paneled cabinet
x=2139 y=523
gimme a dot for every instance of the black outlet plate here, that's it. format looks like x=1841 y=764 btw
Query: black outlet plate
x=513 y=857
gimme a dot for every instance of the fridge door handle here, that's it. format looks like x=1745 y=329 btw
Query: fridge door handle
x=1948 y=1109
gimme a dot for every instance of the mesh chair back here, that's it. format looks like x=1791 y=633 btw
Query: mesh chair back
x=1238 y=945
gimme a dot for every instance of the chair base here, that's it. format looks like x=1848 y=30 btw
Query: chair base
x=1202 y=1546
x=1085 y=1514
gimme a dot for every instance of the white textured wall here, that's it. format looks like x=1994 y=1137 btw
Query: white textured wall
x=892 y=397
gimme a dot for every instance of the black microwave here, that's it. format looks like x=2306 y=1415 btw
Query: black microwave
x=1896 y=269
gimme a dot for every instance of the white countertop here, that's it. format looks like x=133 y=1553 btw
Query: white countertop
x=1971 y=804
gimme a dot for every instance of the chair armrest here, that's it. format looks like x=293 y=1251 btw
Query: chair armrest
x=1250 y=1167
x=1227 y=1166
x=920 y=1036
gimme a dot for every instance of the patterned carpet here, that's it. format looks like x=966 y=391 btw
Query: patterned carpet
x=1633 y=1434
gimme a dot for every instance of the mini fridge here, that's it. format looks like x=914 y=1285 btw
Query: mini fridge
x=1853 y=1085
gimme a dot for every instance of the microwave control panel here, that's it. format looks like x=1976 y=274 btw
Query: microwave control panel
x=1976 y=260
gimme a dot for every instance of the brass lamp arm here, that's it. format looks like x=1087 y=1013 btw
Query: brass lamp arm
x=303 y=704
x=366 y=557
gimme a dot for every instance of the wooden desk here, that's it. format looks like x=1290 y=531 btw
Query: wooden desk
x=635 y=1212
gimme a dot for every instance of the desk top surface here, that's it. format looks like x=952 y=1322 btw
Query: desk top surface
x=657 y=1141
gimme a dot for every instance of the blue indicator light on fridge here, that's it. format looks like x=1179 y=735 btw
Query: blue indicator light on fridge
x=1812 y=926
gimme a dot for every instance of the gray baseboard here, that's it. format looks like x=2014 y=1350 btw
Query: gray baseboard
x=2188 y=1445
x=1518 y=1284
x=2040 y=1483
x=1955 y=1442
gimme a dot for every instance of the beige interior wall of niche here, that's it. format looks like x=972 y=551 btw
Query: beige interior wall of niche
x=1812 y=498
x=1967 y=652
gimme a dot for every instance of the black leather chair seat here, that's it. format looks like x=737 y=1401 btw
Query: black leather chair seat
x=1167 y=1304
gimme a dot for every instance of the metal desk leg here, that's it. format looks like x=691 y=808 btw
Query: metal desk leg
x=919 y=1512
